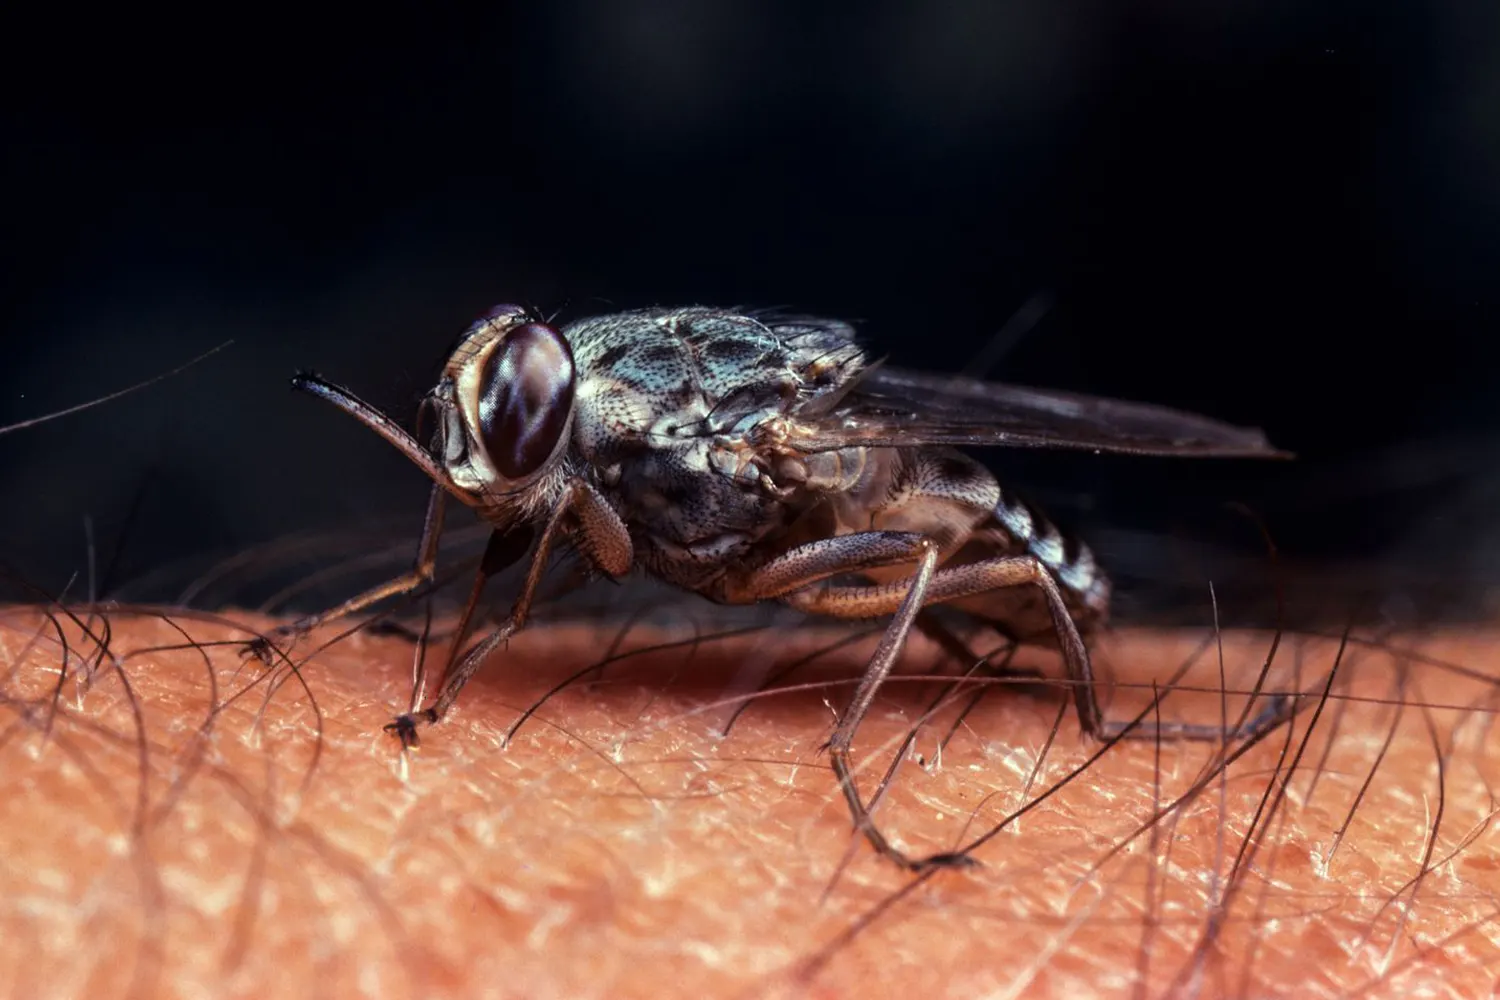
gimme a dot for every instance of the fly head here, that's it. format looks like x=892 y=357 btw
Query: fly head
x=502 y=407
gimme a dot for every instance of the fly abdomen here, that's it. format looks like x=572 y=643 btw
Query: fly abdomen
x=1012 y=529
x=956 y=501
x=1067 y=558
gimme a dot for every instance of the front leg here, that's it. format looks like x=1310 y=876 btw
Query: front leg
x=598 y=533
x=421 y=573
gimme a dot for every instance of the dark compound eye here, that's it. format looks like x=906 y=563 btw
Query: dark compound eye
x=525 y=396
x=502 y=311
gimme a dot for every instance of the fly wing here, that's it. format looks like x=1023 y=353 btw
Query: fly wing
x=889 y=407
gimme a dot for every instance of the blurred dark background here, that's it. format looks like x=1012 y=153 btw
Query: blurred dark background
x=1282 y=214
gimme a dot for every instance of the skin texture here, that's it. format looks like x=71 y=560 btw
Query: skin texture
x=194 y=824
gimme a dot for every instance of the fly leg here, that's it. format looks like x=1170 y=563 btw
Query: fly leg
x=602 y=537
x=421 y=573
x=955 y=583
x=798 y=578
x=795 y=578
x=503 y=550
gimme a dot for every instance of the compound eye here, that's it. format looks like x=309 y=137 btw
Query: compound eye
x=502 y=312
x=525 y=396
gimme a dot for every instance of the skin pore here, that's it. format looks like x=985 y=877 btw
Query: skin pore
x=198 y=824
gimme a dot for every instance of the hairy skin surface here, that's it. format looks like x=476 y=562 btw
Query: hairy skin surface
x=200 y=833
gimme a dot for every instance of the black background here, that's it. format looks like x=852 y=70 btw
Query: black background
x=1283 y=214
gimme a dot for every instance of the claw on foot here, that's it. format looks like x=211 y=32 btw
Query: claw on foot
x=949 y=859
x=265 y=649
x=404 y=727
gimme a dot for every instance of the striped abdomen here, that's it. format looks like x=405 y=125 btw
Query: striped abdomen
x=954 y=500
x=1014 y=527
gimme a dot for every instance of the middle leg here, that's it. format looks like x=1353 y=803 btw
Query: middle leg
x=799 y=579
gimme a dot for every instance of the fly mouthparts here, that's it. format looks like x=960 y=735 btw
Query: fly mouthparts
x=331 y=392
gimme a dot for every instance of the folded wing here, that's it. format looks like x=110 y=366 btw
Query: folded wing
x=890 y=407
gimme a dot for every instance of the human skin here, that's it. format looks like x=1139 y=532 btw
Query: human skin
x=189 y=827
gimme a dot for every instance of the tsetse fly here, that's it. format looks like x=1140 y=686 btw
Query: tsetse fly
x=760 y=457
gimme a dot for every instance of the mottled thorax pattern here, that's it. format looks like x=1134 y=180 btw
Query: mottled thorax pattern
x=670 y=410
